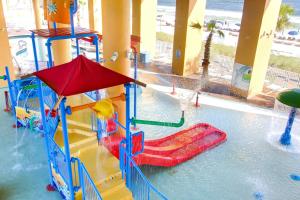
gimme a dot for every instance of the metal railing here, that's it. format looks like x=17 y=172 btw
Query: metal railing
x=58 y=160
x=49 y=96
x=140 y=186
x=89 y=190
x=52 y=123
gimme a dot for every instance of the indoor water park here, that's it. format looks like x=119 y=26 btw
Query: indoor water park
x=100 y=102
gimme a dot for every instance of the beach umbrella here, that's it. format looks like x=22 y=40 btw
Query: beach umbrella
x=293 y=33
x=291 y=98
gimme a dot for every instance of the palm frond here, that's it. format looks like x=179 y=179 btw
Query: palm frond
x=196 y=25
x=284 y=17
x=221 y=33
x=211 y=25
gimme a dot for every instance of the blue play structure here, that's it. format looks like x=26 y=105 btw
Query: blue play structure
x=68 y=174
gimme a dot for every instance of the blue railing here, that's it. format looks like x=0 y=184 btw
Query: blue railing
x=140 y=186
x=89 y=190
x=49 y=96
x=52 y=123
x=58 y=160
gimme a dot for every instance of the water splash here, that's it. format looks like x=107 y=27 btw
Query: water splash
x=34 y=167
x=273 y=139
x=20 y=142
x=17 y=167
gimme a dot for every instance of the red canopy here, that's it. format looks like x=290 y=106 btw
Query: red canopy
x=79 y=76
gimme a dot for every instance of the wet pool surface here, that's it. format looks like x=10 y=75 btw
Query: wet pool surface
x=249 y=165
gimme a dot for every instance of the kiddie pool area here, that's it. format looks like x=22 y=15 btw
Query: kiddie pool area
x=251 y=164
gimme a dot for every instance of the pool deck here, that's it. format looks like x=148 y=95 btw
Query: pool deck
x=160 y=74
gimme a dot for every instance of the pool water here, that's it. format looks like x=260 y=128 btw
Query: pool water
x=249 y=163
x=23 y=164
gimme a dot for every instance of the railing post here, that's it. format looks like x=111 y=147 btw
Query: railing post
x=50 y=61
x=34 y=52
x=10 y=87
x=135 y=85
x=45 y=127
x=128 y=138
x=99 y=126
x=96 y=39
x=66 y=146
x=77 y=47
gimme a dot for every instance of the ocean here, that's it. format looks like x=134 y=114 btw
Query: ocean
x=230 y=5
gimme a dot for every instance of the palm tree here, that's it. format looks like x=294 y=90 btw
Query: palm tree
x=212 y=29
x=284 y=17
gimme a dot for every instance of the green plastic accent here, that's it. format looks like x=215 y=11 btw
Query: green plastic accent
x=33 y=86
x=2 y=77
x=31 y=123
x=290 y=97
x=158 y=123
x=247 y=77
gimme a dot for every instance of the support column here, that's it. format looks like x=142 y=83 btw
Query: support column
x=116 y=39
x=254 y=46
x=187 y=40
x=95 y=18
x=5 y=54
x=144 y=24
x=37 y=14
x=62 y=49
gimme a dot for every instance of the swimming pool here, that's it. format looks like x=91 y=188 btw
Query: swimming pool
x=248 y=163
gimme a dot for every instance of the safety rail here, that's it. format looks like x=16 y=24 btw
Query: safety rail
x=83 y=180
x=89 y=190
x=52 y=123
x=58 y=160
x=140 y=186
x=49 y=96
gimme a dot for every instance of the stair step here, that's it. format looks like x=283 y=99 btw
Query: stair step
x=79 y=125
x=110 y=187
x=119 y=192
x=78 y=131
x=111 y=191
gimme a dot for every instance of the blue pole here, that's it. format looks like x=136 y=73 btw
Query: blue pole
x=54 y=25
x=77 y=47
x=135 y=86
x=50 y=61
x=11 y=94
x=99 y=127
x=66 y=146
x=97 y=47
x=286 y=136
x=72 y=21
x=45 y=128
x=128 y=137
x=34 y=52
